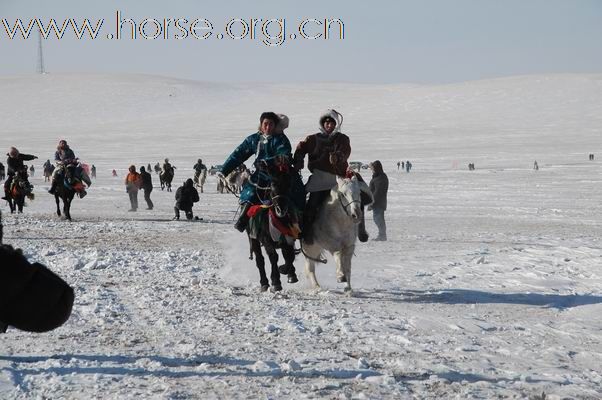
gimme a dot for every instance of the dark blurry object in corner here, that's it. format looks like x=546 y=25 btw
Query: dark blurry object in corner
x=32 y=298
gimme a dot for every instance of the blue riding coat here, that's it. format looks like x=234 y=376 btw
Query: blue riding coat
x=265 y=148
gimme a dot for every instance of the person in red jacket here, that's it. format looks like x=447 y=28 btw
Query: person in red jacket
x=133 y=183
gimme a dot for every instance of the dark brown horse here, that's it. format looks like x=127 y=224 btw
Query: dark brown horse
x=70 y=182
x=272 y=188
x=165 y=178
x=18 y=191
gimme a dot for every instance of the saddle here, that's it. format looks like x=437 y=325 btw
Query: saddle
x=74 y=178
x=280 y=228
x=20 y=185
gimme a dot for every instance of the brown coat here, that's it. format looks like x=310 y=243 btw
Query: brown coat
x=327 y=153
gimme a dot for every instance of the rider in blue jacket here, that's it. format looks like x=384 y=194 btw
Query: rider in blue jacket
x=267 y=144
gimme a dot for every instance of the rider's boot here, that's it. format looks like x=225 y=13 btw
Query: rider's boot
x=308 y=231
x=243 y=219
x=6 y=189
x=310 y=213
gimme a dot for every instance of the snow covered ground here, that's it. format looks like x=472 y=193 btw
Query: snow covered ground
x=490 y=285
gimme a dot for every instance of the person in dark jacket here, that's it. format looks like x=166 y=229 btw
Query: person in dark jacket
x=32 y=298
x=327 y=154
x=186 y=196
x=2 y=171
x=268 y=145
x=147 y=186
x=14 y=164
x=379 y=186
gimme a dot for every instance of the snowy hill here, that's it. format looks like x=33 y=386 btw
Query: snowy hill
x=552 y=113
x=490 y=285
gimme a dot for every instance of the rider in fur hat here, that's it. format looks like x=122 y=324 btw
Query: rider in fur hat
x=327 y=153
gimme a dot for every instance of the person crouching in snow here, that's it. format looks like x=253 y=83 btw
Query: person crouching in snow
x=133 y=182
x=186 y=196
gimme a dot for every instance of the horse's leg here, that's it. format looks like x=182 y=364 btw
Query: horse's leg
x=288 y=252
x=250 y=247
x=11 y=204
x=58 y=204
x=310 y=266
x=260 y=263
x=275 y=274
x=67 y=206
x=20 y=203
x=343 y=262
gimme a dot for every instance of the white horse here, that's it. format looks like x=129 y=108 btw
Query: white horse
x=234 y=182
x=200 y=178
x=335 y=229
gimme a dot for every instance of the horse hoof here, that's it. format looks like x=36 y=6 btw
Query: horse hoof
x=277 y=288
x=292 y=278
x=342 y=279
x=286 y=269
x=264 y=288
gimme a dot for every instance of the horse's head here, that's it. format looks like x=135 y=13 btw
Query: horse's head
x=280 y=173
x=349 y=191
x=69 y=172
x=22 y=174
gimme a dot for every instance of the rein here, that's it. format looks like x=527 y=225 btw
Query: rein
x=345 y=206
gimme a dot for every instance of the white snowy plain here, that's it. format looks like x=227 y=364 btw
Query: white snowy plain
x=490 y=285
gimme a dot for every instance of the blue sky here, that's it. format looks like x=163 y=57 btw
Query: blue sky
x=426 y=41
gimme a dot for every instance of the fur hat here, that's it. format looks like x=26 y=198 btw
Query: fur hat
x=282 y=123
x=13 y=152
x=335 y=116
x=132 y=168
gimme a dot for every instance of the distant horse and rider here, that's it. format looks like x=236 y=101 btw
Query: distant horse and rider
x=48 y=170
x=73 y=180
x=200 y=174
x=166 y=175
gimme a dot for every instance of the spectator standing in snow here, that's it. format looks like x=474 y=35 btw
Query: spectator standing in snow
x=147 y=186
x=379 y=186
x=133 y=182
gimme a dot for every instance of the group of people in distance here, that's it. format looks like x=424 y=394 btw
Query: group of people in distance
x=327 y=153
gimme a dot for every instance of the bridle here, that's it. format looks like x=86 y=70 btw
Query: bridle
x=346 y=206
